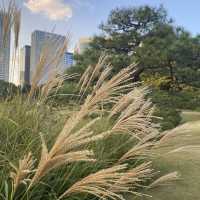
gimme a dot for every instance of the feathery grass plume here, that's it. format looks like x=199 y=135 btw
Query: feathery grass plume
x=134 y=178
x=166 y=179
x=99 y=184
x=103 y=76
x=53 y=84
x=106 y=93
x=84 y=78
x=112 y=182
x=20 y=174
x=7 y=15
x=136 y=95
x=91 y=73
x=138 y=150
x=11 y=18
x=136 y=114
x=151 y=137
x=109 y=90
x=16 y=25
x=64 y=150
x=79 y=138
x=47 y=163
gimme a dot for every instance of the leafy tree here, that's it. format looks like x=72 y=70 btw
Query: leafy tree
x=145 y=35
x=126 y=28
x=122 y=33
x=7 y=89
x=168 y=50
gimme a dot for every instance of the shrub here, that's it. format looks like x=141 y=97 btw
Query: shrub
x=7 y=89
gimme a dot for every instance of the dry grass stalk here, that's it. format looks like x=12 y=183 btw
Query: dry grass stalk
x=112 y=182
x=22 y=171
x=135 y=115
x=7 y=15
x=64 y=150
x=17 y=24
x=92 y=73
x=134 y=178
x=166 y=179
x=138 y=150
x=11 y=18
x=53 y=84
x=99 y=184
x=104 y=93
x=47 y=163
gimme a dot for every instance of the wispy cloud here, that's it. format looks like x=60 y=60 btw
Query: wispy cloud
x=53 y=9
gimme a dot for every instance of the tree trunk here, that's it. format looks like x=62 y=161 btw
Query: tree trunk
x=136 y=75
x=171 y=71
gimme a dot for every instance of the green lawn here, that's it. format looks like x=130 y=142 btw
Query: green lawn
x=187 y=163
x=188 y=116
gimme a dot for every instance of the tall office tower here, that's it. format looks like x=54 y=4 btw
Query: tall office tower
x=68 y=60
x=51 y=43
x=25 y=55
x=4 y=52
x=82 y=45
x=14 y=71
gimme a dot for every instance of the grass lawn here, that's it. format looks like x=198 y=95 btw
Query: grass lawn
x=187 y=163
x=188 y=116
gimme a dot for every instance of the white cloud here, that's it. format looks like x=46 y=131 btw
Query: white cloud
x=53 y=9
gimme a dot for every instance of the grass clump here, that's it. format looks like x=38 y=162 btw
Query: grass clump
x=99 y=150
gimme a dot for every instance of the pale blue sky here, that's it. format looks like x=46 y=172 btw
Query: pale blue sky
x=86 y=15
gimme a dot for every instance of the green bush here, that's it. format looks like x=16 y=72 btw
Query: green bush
x=7 y=89
x=170 y=103
x=67 y=94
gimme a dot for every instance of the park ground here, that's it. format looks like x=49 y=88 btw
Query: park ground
x=187 y=163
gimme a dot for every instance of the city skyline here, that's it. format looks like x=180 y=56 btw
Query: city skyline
x=81 y=18
x=28 y=57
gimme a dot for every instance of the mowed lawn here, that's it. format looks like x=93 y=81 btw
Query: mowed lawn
x=188 y=116
x=186 y=162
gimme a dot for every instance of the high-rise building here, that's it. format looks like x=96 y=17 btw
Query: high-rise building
x=82 y=45
x=4 y=52
x=14 y=72
x=68 y=59
x=25 y=55
x=53 y=42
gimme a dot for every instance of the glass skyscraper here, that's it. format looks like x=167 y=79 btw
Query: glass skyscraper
x=53 y=42
x=4 y=53
x=68 y=59
x=25 y=65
